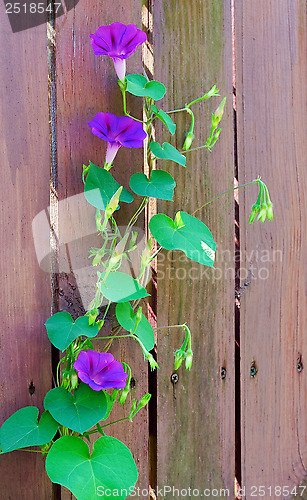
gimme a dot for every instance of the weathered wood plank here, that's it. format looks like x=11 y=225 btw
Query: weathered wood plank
x=87 y=84
x=271 y=95
x=25 y=356
x=192 y=51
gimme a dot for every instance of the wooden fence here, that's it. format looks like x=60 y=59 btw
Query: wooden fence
x=241 y=412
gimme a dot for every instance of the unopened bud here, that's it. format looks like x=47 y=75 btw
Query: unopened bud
x=179 y=357
x=189 y=359
x=144 y=401
x=188 y=141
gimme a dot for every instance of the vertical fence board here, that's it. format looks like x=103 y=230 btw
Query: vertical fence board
x=25 y=288
x=271 y=90
x=192 y=51
x=87 y=84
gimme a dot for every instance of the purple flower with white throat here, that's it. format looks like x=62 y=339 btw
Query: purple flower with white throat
x=118 y=41
x=117 y=131
x=100 y=370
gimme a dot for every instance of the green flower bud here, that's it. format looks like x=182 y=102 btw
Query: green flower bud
x=255 y=211
x=220 y=110
x=113 y=203
x=144 y=401
x=122 y=398
x=133 y=407
x=263 y=212
x=151 y=360
x=269 y=213
x=74 y=379
x=188 y=141
x=92 y=315
x=179 y=357
x=189 y=359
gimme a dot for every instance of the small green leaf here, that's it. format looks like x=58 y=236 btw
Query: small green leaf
x=167 y=152
x=121 y=287
x=139 y=86
x=62 y=330
x=21 y=429
x=127 y=319
x=78 y=411
x=100 y=186
x=110 y=468
x=161 y=185
x=185 y=233
x=165 y=118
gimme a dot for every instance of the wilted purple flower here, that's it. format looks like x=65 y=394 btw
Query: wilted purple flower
x=117 y=131
x=100 y=370
x=118 y=41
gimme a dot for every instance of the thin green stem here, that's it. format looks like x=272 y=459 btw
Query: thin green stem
x=106 y=311
x=176 y=110
x=115 y=422
x=225 y=192
x=113 y=337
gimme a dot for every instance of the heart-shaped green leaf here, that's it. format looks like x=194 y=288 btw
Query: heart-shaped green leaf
x=100 y=186
x=140 y=86
x=165 y=118
x=21 y=429
x=121 y=287
x=167 y=152
x=127 y=319
x=62 y=330
x=109 y=472
x=161 y=185
x=78 y=411
x=185 y=233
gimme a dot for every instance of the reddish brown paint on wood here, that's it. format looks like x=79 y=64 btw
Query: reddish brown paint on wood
x=25 y=289
x=87 y=84
x=271 y=90
x=192 y=51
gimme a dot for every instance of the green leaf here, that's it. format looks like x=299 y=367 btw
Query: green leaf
x=78 y=411
x=62 y=330
x=121 y=287
x=110 y=469
x=138 y=85
x=167 y=152
x=127 y=319
x=185 y=233
x=100 y=186
x=165 y=118
x=21 y=429
x=161 y=185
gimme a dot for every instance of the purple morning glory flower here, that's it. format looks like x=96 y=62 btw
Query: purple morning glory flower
x=100 y=370
x=118 y=41
x=117 y=131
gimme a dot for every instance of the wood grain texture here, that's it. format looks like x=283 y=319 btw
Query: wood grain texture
x=192 y=51
x=25 y=355
x=272 y=118
x=87 y=84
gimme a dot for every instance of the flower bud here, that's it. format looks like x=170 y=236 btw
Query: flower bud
x=189 y=359
x=220 y=110
x=179 y=357
x=188 y=141
x=263 y=212
x=122 y=398
x=255 y=211
x=74 y=379
x=144 y=401
x=113 y=203
x=269 y=213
